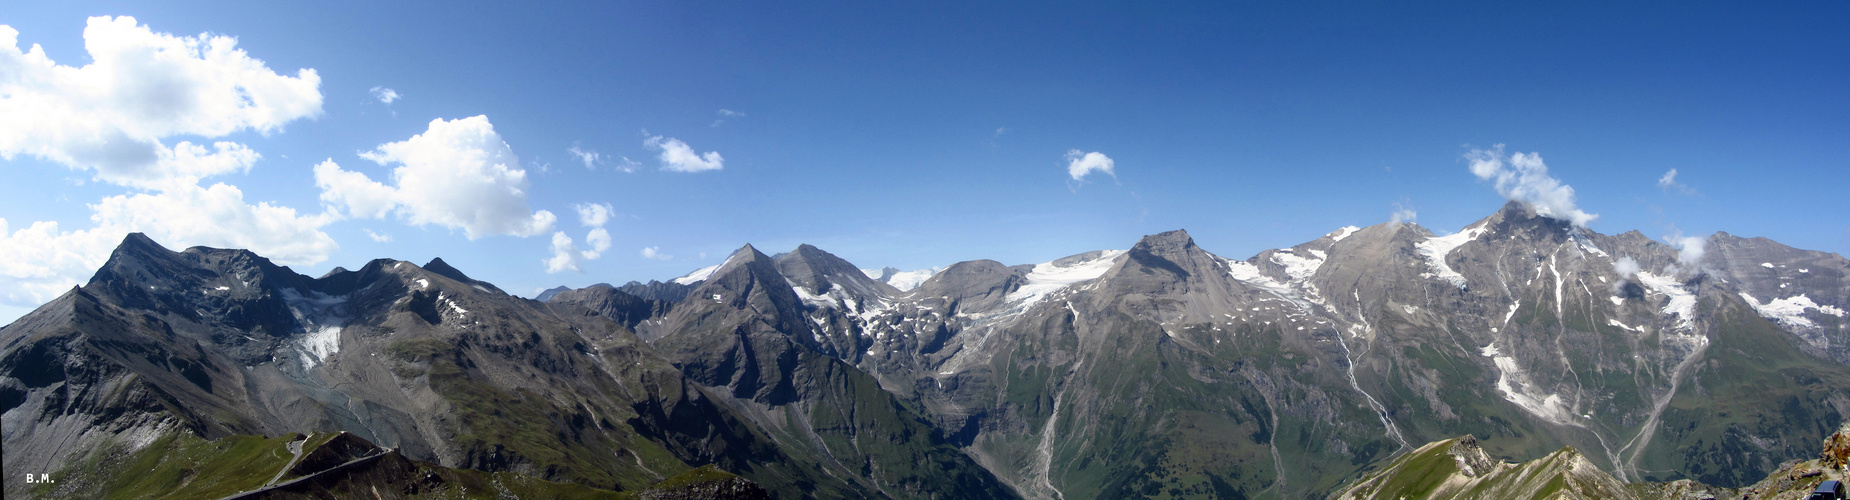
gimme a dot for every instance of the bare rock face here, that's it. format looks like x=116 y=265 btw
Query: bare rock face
x=705 y=483
x=1837 y=449
x=1472 y=462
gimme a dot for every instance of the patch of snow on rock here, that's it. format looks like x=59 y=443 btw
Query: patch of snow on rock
x=1299 y=268
x=1790 y=311
x=698 y=275
x=320 y=344
x=1616 y=323
x=1682 y=303
x=907 y=280
x=1054 y=276
x=1515 y=386
x=1343 y=233
x=1436 y=248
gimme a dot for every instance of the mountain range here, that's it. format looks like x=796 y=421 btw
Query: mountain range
x=1162 y=370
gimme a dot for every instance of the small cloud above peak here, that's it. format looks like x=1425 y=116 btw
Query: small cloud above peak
x=1080 y=164
x=655 y=253
x=1403 y=215
x=1523 y=177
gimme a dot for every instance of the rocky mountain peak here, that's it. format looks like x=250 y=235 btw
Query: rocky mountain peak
x=1472 y=460
x=820 y=271
x=444 y=269
x=137 y=252
x=1172 y=252
x=439 y=267
x=745 y=272
x=1166 y=244
x=1517 y=221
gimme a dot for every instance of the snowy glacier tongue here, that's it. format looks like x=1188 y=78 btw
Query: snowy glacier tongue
x=322 y=315
x=1436 y=248
x=1051 y=277
x=698 y=275
x=1790 y=310
x=908 y=280
x=1344 y=233
x=1682 y=303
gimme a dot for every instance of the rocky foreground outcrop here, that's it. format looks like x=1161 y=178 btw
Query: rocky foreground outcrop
x=1457 y=469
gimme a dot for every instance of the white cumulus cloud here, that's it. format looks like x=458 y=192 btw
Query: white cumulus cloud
x=458 y=174
x=593 y=214
x=677 y=156
x=41 y=261
x=142 y=87
x=565 y=256
x=1079 y=164
x=599 y=239
x=655 y=253
x=1627 y=267
x=379 y=237
x=1689 y=248
x=1522 y=177
x=113 y=116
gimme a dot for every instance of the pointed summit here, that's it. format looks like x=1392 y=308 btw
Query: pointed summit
x=444 y=269
x=820 y=271
x=439 y=267
x=1174 y=252
x=1166 y=243
x=1517 y=220
x=137 y=254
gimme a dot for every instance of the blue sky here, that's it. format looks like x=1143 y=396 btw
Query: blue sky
x=896 y=135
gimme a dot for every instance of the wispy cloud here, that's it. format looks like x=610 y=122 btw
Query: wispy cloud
x=384 y=95
x=379 y=237
x=724 y=114
x=1522 y=177
x=655 y=253
x=627 y=165
x=588 y=157
x=1403 y=215
x=1669 y=183
x=677 y=156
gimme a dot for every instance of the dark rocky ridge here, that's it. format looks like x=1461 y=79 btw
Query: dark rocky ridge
x=438 y=366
